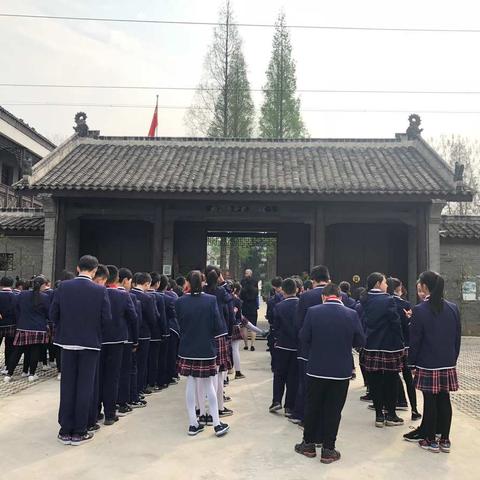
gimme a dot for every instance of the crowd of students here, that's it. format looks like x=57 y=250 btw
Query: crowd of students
x=119 y=337
x=313 y=329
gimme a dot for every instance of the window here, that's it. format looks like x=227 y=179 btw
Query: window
x=6 y=261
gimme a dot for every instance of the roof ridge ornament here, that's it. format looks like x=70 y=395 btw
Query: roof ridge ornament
x=81 y=121
x=414 y=130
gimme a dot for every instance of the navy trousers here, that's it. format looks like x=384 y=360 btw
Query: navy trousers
x=110 y=365
x=76 y=390
x=285 y=376
x=134 y=379
x=162 y=364
x=153 y=366
x=95 y=402
x=172 y=353
x=142 y=364
x=125 y=374
x=299 y=411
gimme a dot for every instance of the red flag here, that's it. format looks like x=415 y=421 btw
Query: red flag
x=154 y=124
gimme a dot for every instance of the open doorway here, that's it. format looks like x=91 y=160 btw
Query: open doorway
x=235 y=251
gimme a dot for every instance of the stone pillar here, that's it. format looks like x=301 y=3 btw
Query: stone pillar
x=49 y=236
x=434 y=218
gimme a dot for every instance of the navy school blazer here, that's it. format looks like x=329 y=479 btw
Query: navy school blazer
x=149 y=320
x=200 y=323
x=222 y=301
x=133 y=329
x=434 y=338
x=124 y=317
x=8 y=300
x=284 y=328
x=271 y=302
x=171 y=313
x=329 y=333
x=162 y=325
x=80 y=310
x=30 y=317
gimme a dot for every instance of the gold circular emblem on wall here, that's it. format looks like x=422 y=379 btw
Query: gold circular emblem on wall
x=356 y=279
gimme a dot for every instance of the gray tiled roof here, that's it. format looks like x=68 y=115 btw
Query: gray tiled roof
x=383 y=166
x=457 y=226
x=21 y=219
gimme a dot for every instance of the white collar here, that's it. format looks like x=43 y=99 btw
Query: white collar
x=138 y=289
x=85 y=277
x=290 y=298
x=334 y=302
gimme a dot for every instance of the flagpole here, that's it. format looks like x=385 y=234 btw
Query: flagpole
x=156 y=109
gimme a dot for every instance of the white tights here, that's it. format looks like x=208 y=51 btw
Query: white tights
x=205 y=387
x=236 y=354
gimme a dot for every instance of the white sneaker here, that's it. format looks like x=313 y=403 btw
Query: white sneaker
x=23 y=375
x=4 y=371
x=53 y=365
x=45 y=368
x=59 y=376
x=32 y=378
x=7 y=379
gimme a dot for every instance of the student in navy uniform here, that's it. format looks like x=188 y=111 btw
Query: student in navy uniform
x=346 y=295
x=285 y=369
x=32 y=328
x=148 y=324
x=223 y=355
x=127 y=391
x=80 y=309
x=435 y=337
x=157 y=357
x=115 y=336
x=329 y=332
x=404 y=310
x=200 y=323
x=174 y=337
x=20 y=286
x=7 y=317
x=249 y=297
x=383 y=354
x=320 y=277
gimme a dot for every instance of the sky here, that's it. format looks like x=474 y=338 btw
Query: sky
x=74 y=52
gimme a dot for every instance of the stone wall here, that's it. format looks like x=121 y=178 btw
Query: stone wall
x=460 y=262
x=27 y=254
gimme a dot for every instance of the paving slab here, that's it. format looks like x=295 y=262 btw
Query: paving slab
x=152 y=442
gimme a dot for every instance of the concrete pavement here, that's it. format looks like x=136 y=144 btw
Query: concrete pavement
x=152 y=442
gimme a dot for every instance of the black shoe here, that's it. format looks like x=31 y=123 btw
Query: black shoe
x=93 y=428
x=141 y=396
x=329 y=456
x=380 y=421
x=221 y=429
x=209 y=420
x=147 y=391
x=371 y=406
x=139 y=404
x=101 y=416
x=226 y=382
x=239 y=375
x=226 y=399
x=366 y=398
x=111 y=421
x=81 y=439
x=124 y=410
x=414 y=436
x=275 y=407
x=288 y=412
x=416 y=416
x=226 y=412
x=252 y=348
x=202 y=420
x=64 y=439
x=193 y=430
x=393 y=421
x=307 y=449
x=245 y=347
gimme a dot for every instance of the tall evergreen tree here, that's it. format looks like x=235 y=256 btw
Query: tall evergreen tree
x=280 y=113
x=222 y=105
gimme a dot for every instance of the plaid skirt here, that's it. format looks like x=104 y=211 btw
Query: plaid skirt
x=196 y=368
x=374 y=360
x=223 y=353
x=8 y=331
x=236 y=334
x=436 y=381
x=29 y=337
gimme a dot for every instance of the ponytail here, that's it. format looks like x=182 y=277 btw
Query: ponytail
x=372 y=280
x=392 y=284
x=212 y=281
x=436 y=286
x=194 y=278
x=37 y=283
